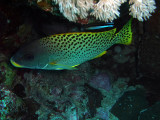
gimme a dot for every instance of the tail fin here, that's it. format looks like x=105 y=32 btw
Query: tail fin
x=124 y=36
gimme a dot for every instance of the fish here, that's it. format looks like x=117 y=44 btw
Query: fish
x=66 y=51
x=99 y=27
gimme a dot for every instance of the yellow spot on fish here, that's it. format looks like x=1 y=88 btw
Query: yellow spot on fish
x=52 y=63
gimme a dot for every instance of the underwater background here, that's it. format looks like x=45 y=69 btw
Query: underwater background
x=123 y=84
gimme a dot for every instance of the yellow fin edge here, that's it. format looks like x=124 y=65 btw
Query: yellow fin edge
x=66 y=66
x=101 y=54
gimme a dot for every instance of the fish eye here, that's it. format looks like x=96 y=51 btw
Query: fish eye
x=28 y=57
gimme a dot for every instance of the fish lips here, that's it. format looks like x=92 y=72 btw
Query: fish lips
x=14 y=63
x=18 y=65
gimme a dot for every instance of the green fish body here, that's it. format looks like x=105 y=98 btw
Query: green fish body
x=68 y=50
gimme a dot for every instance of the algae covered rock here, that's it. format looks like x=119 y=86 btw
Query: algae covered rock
x=10 y=105
x=130 y=104
x=7 y=74
x=151 y=113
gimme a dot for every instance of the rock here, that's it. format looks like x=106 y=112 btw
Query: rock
x=130 y=104
x=151 y=113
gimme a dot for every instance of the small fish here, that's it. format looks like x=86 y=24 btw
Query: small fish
x=68 y=50
x=99 y=27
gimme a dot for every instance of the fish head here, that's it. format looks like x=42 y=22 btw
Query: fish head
x=32 y=56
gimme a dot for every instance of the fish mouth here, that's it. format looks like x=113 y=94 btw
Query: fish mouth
x=15 y=64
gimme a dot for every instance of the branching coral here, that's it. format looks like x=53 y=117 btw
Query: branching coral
x=104 y=10
x=72 y=8
x=107 y=10
x=142 y=9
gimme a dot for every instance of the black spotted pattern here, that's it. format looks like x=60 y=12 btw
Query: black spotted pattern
x=76 y=48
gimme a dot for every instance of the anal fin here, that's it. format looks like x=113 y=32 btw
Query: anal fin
x=101 y=54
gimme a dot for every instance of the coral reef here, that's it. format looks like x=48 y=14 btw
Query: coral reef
x=7 y=74
x=104 y=10
x=10 y=104
x=101 y=89
x=142 y=9
x=101 y=81
x=68 y=99
x=71 y=9
x=62 y=93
